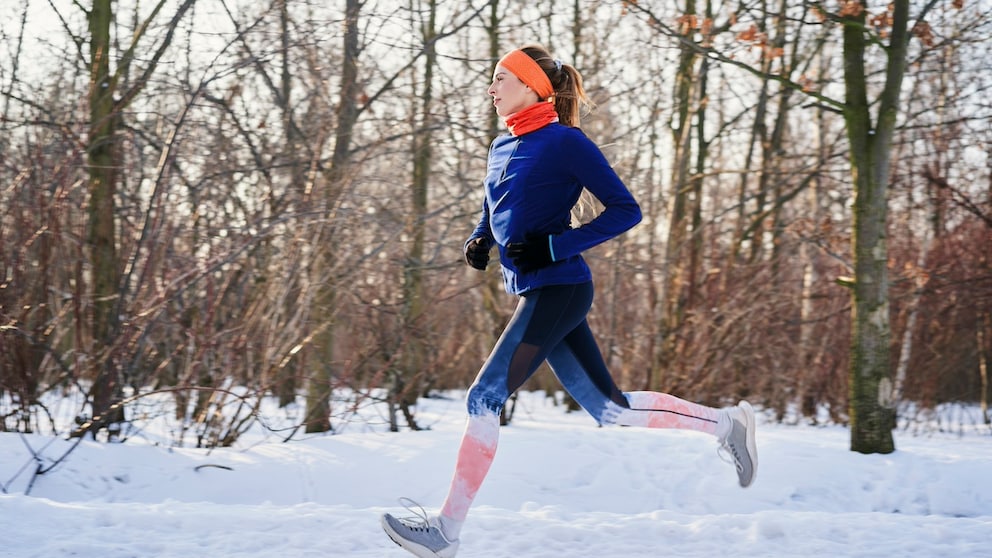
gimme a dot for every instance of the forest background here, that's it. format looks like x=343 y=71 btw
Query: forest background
x=228 y=200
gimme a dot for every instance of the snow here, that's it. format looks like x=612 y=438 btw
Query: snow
x=560 y=487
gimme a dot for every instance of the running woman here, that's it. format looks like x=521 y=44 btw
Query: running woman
x=534 y=178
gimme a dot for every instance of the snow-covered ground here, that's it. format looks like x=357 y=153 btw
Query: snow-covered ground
x=560 y=487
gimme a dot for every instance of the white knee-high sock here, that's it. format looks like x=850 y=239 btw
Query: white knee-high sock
x=661 y=410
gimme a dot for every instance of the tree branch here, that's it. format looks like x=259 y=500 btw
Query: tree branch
x=128 y=56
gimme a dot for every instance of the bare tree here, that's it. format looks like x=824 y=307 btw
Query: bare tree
x=108 y=97
x=871 y=406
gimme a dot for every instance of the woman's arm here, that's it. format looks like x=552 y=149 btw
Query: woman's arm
x=621 y=211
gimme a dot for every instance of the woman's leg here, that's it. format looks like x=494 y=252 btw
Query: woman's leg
x=581 y=369
x=541 y=320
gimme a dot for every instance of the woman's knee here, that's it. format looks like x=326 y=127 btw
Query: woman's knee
x=482 y=400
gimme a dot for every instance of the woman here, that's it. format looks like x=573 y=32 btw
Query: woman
x=534 y=178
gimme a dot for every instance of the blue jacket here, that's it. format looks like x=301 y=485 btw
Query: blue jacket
x=532 y=183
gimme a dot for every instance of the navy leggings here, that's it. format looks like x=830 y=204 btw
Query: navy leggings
x=549 y=324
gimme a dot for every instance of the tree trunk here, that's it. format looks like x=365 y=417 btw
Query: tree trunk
x=906 y=345
x=102 y=165
x=318 y=398
x=984 y=334
x=696 y=187
x=871 y=403
x=809 y=352
x=756 y=227
x=416 y=338
x=286 y=376
x=106 y=100
x=676 y=269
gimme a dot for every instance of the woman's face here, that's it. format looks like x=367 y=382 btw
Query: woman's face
x=509 y=94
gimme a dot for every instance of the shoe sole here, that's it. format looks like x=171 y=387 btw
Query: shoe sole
x=417 y=550
x=752 y=447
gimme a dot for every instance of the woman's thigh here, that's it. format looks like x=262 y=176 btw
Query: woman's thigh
x=543 y=318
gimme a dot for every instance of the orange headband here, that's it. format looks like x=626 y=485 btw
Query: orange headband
x=529 y=72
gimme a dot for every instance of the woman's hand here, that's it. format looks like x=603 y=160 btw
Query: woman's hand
x=477 y=253
x=530 y=255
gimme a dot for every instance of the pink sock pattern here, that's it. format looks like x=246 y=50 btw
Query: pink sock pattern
x=474 y=458
x=661 y=410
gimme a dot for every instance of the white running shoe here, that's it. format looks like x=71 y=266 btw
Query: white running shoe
x=739 y=442
x=421 y=535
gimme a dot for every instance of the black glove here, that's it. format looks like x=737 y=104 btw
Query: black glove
x=477 y=253
x=531 y=254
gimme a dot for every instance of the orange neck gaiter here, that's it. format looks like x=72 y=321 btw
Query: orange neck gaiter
x=531 y=118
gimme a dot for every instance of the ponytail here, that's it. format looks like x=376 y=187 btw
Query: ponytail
x=569 y=95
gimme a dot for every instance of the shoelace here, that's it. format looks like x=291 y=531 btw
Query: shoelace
x=419 y=521
x=734 y=457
